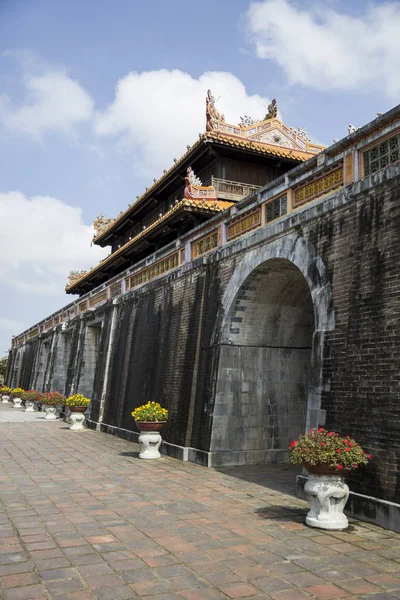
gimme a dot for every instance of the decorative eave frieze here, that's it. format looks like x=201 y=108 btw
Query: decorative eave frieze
x=211 y=205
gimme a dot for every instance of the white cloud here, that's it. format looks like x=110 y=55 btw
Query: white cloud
x=41 y=241
x=159 y=112
x=54 y=102
x=326 y=50
x=9 y=325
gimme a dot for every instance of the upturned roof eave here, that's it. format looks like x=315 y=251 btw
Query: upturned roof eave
x=112 y=258
x=207 y=139
x=130 y=211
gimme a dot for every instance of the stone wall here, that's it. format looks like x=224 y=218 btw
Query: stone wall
x=328 y=335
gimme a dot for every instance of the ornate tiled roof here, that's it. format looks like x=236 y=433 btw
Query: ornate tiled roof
x=150 y=189
x=269 y=137
x=259 y=147
x=213 y=206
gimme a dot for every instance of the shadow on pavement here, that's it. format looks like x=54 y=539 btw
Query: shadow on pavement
x=281 y=477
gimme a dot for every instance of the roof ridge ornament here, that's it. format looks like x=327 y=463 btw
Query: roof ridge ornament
x=303 y=134
x=212 y=114
x=101 y=223
x=193 y=178
x=272 y=110
x=246 y=121
x=194 y=188
x=74 y=275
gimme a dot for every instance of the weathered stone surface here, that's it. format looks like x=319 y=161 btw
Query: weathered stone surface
x=297 y=322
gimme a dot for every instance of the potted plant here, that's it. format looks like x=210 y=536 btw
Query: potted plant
x=29 y=397
x=78 y=404
x=37 y=403
x=328 y=457
x=16 y=394
x=50 y=401
x=150 y=418
x=5 y=393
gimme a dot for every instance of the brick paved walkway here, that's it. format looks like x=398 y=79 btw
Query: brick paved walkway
x=81 y=517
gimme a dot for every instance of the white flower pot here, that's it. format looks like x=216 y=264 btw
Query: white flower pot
x=50 y=413
x=29 y=406
x=149 y=445
x=77 y=421
x=17 y=402
x=327 y=495
x=5 y=398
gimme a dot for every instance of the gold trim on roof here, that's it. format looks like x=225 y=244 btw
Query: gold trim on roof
x=241 y=139
x=149 y=190
x=260 y=147
x=209 y=205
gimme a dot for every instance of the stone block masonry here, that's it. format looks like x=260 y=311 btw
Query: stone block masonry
x=295 y=324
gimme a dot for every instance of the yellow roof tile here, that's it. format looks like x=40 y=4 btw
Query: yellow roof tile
x=210 y=205
x=223 y=138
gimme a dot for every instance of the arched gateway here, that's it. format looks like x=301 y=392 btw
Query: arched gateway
x=275 y=312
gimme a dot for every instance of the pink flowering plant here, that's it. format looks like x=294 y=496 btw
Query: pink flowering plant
x=31 y=396
x=52 y=398
x=322 y=447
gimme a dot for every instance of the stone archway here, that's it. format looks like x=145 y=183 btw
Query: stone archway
x=276 y=310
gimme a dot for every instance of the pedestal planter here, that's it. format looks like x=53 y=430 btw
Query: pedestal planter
x=29 y=406
x=77 y=417
x=327 y=493
x=50 y=413
x=5 y=398
x=17 y=402
x=150 y=438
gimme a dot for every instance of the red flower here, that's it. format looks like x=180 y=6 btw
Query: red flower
x=294 y=443
x=368 y=456
x=323 y=444
x=345 y=442
x=355 y=465
x=339 y=467
x=350 y=444
x=330 y=433
x=338 y=450
x=321 y=429
x=347 y=449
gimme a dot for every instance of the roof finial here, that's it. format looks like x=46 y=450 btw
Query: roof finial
x=212 y=113
x=272 y=110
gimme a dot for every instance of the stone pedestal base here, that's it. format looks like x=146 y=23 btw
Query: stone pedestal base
x=327 y=495
x=77 y=420
x=17 y=402
x=5 y=399
x=29 y=406
x=149 y=444
x=50 y=413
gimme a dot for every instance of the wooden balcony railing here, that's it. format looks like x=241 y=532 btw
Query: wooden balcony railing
x=233 y=190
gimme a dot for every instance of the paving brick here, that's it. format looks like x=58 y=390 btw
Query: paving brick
x=63 y=586
x=55 y=574
x=230 y=551
x=18 y=580
x=239 y=590
x=27 y=592
x=326 y=592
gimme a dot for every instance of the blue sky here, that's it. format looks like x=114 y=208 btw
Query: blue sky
x=96 y=98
